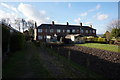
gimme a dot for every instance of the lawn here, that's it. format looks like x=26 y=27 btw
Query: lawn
x=101 y=46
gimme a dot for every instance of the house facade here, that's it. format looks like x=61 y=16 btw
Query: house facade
x=41 y=32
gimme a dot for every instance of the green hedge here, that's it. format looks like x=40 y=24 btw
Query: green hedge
x=17 y=41
x=5 y=38
x=94 y=39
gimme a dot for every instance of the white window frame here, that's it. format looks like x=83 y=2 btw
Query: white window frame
x=68 y=30
x=40 y=37
x=39 y=30
x=86 y=31
x=45 y=30
x=51 y=30
x=73 y=30
x=63 y=30
x=58 y=30
x=93 y=31
x=81 y=31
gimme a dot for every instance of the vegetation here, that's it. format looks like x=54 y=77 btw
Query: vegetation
x=101 y=46
x=17 y=41
x=18 y=65
x=5 y=38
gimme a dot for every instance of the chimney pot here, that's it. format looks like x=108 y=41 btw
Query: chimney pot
x=67 y=23
x=91 y=26
x=52 y=22
x=80 y=24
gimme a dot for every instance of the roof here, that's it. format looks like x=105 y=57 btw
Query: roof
x=58 y=26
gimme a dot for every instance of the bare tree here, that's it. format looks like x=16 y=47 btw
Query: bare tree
x=17 y=23
x=113 y=24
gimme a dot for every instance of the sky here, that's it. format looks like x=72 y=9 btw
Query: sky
x=98 y=14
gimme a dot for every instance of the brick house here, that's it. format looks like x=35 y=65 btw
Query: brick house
x=44 y=30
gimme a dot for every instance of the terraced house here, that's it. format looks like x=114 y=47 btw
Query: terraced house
x=44 y=30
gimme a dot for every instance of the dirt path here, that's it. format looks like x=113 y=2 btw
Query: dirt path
x=58 y=68
x=29 y=72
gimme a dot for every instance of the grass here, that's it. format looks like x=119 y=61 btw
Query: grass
x=16 y=66
x=101 y=46
x=75 y=65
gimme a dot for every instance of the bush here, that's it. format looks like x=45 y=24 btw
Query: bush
x=101 y=40
x=111 y=42
x=5 y=38
x=17 y=41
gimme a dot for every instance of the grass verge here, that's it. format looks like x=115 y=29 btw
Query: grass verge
x=108 y=47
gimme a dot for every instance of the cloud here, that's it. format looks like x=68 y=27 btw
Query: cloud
x=77 y=20
x=102 y=17
x=84 y=14
x=88 y=23
x=94 y=9
x=69 y=5
x=9 y=7
x=98 y=6
x=32 y=13
x=43 y=12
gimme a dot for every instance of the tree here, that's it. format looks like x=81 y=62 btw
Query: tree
x=107 y=35
x=115 y=33
x=113 y=24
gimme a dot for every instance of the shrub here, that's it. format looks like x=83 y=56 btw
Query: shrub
x=5 y=38
x=17 y=41
x=101 y=40
x=111 y=42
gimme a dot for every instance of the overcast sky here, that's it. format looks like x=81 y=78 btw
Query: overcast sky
x=99 y=14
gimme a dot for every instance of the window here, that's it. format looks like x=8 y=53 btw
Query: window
x=93 y=31
x=40 y=30
x=81 y=31
x=58 y=30
x=63 y=30
x=40 y=37
x=77 y=30
x=86 y=31
x=45 y=30
x=73 y=31
x=68 y=31
x=51 y=30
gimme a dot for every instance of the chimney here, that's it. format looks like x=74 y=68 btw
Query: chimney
x=52 y=22
x=67 y=23
x=80 y=24
x=91 y=26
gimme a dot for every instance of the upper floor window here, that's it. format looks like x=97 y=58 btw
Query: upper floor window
x=39 y=30
x=45 y=30
x=93 y=31
x=86 y=31
x=73 y=31
x=63 y=30
x=58 y=30
x=68 y=31
x=51 y=30
x=81 y=31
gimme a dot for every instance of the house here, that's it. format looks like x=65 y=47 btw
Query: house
x=41 y=32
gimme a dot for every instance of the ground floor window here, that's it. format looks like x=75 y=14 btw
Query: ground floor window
x=40 y=37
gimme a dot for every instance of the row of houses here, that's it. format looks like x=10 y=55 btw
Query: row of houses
x=56 y=31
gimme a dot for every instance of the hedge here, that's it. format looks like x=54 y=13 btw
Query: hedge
x=17 y=41
x=5 y=38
